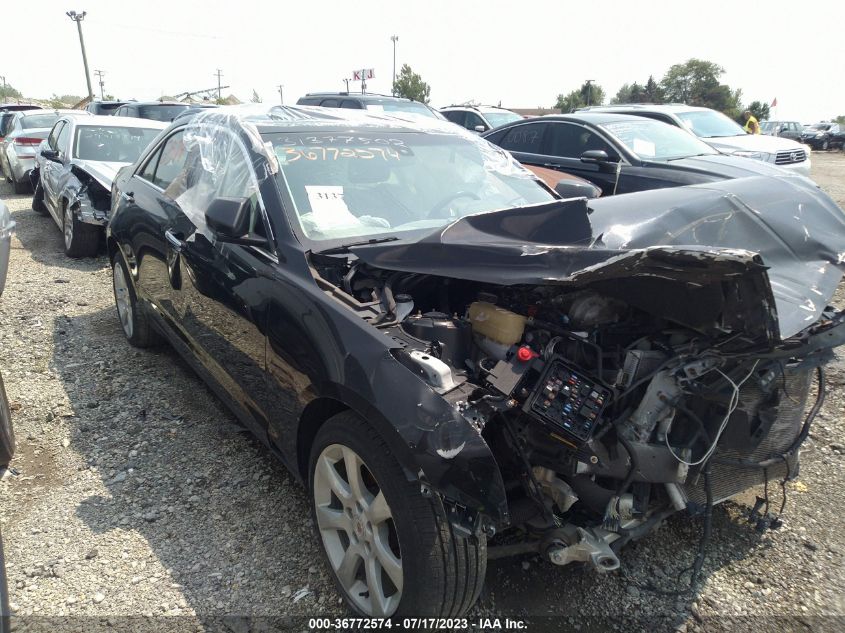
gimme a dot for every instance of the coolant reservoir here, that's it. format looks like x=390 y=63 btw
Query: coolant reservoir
x=495 y=323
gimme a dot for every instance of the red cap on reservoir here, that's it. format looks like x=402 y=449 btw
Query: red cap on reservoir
x=525 y=353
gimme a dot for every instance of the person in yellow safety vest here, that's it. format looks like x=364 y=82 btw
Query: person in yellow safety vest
x=751 y=124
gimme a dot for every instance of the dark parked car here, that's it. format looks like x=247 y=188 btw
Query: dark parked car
x=75 y=169
x=104 y=107
x=786 y=129
x=620 y=153
x=823 y=135
x=443 y=350
x=368 y=101
x=164 y=111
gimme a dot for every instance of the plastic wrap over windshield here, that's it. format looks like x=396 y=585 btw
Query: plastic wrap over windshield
x=388 y=174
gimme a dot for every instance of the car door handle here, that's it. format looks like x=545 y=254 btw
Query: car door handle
x=175 y=241
x=129 y=197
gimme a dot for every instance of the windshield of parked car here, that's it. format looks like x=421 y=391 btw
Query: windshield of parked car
x=653 y=140
x=164 y=113
x=768 y=126
x=111 y=143
x=710 y=124
x=414 y=107
x=500 y=118
x=35 y=121
x=385 y=183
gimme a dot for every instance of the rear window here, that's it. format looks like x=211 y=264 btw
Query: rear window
x=413 y=107
x=111 y=143
x=164 y=113
x=34 y=121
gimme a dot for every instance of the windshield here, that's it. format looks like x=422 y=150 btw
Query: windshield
x=414 y=107
x=35 y=121
x=710 y=124
x=500 y=118
x=164 y=113
x=380 y=184
x=768 y=126
x=820 y=126
x=653 y=140
x=115 y=144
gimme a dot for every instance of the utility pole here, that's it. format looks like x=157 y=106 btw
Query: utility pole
x=78 y=17
x=281 y=88
x=394 y=39
x=219 y=93
x=347 y=84
x=100 y=74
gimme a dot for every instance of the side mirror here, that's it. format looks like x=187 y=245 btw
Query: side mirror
x=51 y=154
x=598 y=156
x=480 y=128
x=229 y=219
x=575 y=189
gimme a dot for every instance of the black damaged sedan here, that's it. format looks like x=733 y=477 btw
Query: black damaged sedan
x=452 y=358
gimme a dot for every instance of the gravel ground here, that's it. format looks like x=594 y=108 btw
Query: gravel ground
x=136 y=494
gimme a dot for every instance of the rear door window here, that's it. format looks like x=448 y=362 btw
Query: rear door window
x=526 y=138
x=352 y=104
x=330 y=103
x=570 y=141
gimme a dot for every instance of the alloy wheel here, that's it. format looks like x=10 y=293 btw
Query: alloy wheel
x=123 y=300
x=358 y=532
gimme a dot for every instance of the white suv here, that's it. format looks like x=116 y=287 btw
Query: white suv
x=479 y=118
x=723 y=134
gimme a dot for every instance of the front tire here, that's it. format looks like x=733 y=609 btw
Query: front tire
x=38 y=200
x=391 y=550
x=134 y=320
x=7 y=432
x=825 y=145
x=81 y=240
x=21 y=187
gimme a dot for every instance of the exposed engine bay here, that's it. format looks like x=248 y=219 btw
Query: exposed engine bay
x=604 y=416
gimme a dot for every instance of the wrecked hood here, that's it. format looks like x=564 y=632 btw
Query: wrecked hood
x=102 y=171
x=729 y=228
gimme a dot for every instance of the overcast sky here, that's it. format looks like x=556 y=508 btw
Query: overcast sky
x=522 y=54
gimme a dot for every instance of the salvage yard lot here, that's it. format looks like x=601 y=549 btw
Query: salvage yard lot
x=137 y=494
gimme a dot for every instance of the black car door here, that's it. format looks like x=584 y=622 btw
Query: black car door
x=147 y=205
x=220 y=307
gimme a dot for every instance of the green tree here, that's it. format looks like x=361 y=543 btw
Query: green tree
x=840 y=119
x=652 y=91
x=9 y=93
x=696 y=82
x=255 y=97
x=70 y=99
x=588 y=94
x=758 y=109
x=411 y=86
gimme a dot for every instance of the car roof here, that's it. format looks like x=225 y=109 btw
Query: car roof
x=477 y=108
x=101 y=120
x=644 y=107
x=59 y=111
x=367 y=96
x=301 y=118
x=156 y=103
x=593 y=118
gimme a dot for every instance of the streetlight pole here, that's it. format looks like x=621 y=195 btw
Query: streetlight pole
x=589 y=83
x=78 y=17
x=394 y=39
x=281 y=88
x=100 y=74
x=347 y=85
